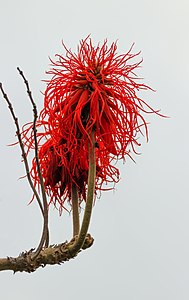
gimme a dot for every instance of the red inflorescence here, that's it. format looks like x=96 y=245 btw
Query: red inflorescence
x=95 y=89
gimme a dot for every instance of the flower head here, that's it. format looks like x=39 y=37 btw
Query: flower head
x=93 y=90
x=96 y=87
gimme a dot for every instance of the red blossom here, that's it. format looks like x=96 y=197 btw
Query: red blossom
x=95 y=89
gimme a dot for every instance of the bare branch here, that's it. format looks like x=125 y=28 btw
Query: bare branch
x=24 y=156
x=45 y=235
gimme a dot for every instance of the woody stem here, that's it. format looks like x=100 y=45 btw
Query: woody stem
x=89 y=203
x=75 y=210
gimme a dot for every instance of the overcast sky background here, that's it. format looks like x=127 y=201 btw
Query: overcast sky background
x=141 y=230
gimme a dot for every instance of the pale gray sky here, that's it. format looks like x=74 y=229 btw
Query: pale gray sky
x=141 y=230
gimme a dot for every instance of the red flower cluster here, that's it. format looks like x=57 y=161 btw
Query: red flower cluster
x=93 y=90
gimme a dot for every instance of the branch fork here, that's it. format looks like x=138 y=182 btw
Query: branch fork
x=30 y=260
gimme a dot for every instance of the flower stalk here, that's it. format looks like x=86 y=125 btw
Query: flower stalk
x=90 y=196
x=75 y=210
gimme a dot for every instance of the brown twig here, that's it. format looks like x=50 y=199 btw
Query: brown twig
x=22 y=147
x=45 y=234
